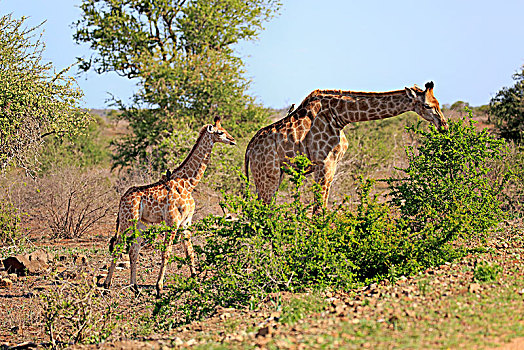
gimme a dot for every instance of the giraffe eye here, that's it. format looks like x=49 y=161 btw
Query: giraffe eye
x=220 y=133
x=426 y=106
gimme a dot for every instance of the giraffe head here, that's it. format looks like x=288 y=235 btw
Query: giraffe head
x=426 y=105
x=219 y=134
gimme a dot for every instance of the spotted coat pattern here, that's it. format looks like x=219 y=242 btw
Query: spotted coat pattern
x=168 y=200
x=315 y=129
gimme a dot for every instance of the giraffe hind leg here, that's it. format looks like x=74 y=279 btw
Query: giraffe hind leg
x=134 y=252
x=190 y=252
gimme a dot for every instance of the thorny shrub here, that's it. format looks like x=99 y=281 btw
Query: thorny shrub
x=77 y=313
x=71 y=201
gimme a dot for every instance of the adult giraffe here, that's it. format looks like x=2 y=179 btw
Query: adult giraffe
x=315 y=127
x=168 y=200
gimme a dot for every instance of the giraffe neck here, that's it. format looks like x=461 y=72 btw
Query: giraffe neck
x=349 y=107
x=193 y=167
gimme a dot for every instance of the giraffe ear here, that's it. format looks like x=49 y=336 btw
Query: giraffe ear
x=412 y=94
x=210 y=129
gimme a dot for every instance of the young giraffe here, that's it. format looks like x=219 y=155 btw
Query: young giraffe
x=315 y=129
x=168 y=200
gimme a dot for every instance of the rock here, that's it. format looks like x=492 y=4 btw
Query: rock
x=40 y=255
x=225 y=316
x=263 y=332
x=191 y=342
x=5 y=283
x=21 y=265
x=474 y=288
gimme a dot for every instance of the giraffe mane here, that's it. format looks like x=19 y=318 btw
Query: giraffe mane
x=319 y=93
x=184 y=162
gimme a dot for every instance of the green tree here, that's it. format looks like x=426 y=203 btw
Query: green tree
x=506 y=109
x=182 y=55
x=35 y=101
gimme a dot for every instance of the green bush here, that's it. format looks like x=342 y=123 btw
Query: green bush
x=485 y=272
x=451 y=186
x=273 y=248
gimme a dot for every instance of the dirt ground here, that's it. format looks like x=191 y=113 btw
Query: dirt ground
x=440 y=308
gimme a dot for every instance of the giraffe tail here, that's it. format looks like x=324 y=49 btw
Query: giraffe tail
x=246 y=165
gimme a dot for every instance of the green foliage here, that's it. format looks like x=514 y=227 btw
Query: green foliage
x=451 y=186
x=82 y=150
x=10 y=218
x=485 y=272
x=134 y=235
x=34 y=100
x=183 y=56
x=507 y=109
x=459 y=105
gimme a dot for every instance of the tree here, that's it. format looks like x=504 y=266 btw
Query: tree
x=182 y=55
x=35 y=101
x=506 y=109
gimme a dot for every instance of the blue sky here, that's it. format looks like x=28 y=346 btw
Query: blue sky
x=469 y=49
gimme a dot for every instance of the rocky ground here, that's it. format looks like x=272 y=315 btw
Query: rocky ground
x=445 y=307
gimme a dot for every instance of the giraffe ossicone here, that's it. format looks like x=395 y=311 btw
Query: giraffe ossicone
x=168 y=200
x=315 y=129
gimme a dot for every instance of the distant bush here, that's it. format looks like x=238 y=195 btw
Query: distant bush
x=10 y=218
x=506 y=109
x=82 y=150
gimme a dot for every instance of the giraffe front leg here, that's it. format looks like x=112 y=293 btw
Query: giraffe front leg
x=324 y=177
